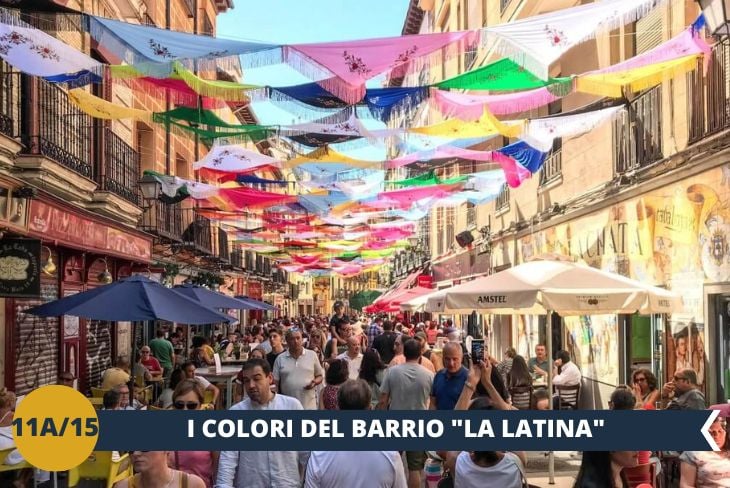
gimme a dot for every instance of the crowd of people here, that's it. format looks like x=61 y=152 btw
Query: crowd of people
x=349 y=363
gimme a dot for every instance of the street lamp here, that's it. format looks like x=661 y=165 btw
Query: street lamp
x=150 y=187
x=716 y=15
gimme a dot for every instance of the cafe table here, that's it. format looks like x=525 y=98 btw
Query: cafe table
x=226 y=375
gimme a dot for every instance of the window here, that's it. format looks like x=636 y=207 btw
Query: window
x=502 y=201
x=708 y=97
x=207 y=29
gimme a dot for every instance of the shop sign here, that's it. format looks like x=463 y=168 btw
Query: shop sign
x=465 y=264
x=20 y=274
x=254 y=290
x=76 y=231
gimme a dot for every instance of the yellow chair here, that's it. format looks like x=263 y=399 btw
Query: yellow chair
x=4 y=468
x=98 y=392
x=99 y=466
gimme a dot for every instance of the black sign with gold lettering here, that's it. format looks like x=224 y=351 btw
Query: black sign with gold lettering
x=20 y=273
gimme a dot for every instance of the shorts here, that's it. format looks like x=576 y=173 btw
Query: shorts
x=416 y=460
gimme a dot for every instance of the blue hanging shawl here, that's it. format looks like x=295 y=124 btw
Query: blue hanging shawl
x=526 y=155
x=382 y=102
x=153 y=51
x=255 y=180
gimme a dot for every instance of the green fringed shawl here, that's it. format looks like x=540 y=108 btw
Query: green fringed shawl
x=502 y=75
x=427 y=179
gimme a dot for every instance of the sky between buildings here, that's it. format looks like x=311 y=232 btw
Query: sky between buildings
x=306 y=21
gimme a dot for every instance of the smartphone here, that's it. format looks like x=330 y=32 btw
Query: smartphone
x=477 y=351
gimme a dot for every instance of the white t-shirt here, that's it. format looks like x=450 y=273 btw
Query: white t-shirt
x=351 y=469
x=204 y=384
x=505 y=474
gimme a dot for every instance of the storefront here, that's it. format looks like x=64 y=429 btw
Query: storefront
x=79 y=251
x=676 y=237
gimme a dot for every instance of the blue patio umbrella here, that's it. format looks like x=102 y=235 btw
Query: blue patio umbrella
x=213 y=299
x=132 y=299
x=256 y=304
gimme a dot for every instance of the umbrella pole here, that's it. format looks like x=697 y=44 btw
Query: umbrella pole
x=549 y=328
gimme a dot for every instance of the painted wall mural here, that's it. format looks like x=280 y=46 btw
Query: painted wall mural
x=676 y=237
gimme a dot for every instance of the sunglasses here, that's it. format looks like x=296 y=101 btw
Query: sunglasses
x=640 y=380
x=186 y=405
x=680 y=378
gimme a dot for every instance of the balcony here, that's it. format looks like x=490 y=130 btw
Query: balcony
x=9 y=101
x=58 y=141
x=180 y=229
x=708 y=95
x=119 y=169
x=224 y=255
x=637 y=134
x=552 y=170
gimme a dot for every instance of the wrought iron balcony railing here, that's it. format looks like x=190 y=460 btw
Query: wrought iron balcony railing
x=119 y=169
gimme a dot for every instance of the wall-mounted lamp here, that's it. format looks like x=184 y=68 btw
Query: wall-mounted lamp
x=50 y=267
x=150 y=187
x=105 y=276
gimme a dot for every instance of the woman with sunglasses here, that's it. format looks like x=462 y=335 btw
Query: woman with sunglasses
x=204 y=464
x=645 y=389
x=708 y=469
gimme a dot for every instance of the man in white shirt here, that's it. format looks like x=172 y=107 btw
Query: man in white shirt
x=565 y=373
x=297 y=371
x=569 y=374
x=271 y=469
x=370 y=469
x=353 y=356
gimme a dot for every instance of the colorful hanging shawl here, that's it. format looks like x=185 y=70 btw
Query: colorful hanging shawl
x=527 y=156
x=255 y=180
x=354 y=62
x=536 y=42
x=502 y=75
x=239 y=198
x=467 y=106
x=154 y=51
x=637 y=79
x=320 y=133
x=382 y=102
x=540 y=133
x=226 y=90
x=36 y=53
x=327 y=155
x=487 y=125
x=323 y=204
x=101 y=109
x=405 y=198
x=234 y=159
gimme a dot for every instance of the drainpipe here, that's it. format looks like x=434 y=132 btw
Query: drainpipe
x=168 y=21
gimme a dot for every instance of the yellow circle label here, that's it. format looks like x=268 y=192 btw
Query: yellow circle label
x=55 y=428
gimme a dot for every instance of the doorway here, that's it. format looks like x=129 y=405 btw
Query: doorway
x=717 y=312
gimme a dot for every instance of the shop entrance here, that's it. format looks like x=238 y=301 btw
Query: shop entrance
x=717 y=311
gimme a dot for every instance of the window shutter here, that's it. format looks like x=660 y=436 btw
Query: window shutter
x=649 y=31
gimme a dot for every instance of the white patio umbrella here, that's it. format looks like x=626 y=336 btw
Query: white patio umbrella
x=553 y=284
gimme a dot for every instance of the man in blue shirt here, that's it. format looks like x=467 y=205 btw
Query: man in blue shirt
x=449 y=382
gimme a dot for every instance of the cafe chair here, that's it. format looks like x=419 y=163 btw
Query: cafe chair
x=568 y=396
x=640 y=474
x=4 y=468
x=99 y=466
x=521 y=397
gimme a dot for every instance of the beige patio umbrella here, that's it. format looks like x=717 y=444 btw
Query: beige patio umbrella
x=550 y=284
x=542 y=286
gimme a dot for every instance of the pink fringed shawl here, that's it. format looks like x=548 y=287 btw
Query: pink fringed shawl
x=342 y=68
x=470 y=107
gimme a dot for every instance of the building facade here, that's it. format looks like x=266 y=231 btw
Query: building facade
x=644 y=196
x=71 y=182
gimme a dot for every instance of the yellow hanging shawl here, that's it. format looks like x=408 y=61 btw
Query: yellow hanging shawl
x=225 y=90
x=327 y=155
x=637 y=79
x=487 y=125
x=102 y=109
